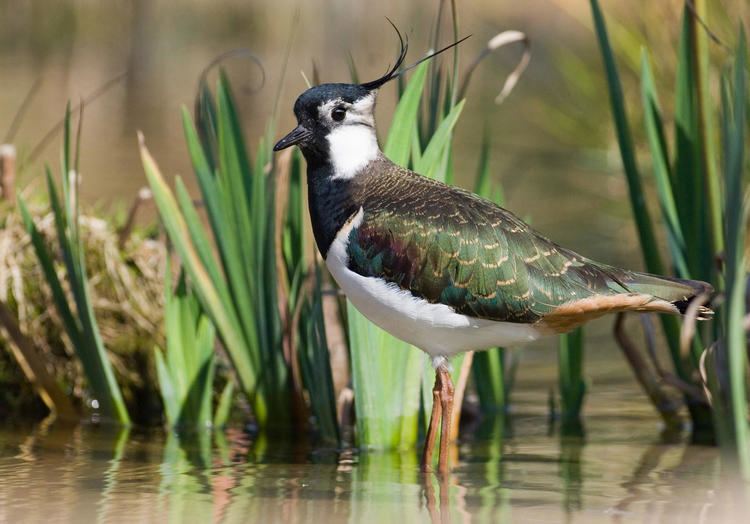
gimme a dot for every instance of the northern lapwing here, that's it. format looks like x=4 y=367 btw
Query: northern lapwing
x=438 y=266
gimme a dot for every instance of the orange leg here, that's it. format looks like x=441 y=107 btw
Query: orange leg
x=432 y=430
x=446 y=406
x=442 y=412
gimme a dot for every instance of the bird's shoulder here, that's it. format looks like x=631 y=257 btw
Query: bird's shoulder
x=391 y=191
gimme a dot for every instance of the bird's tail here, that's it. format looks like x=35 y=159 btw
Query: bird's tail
x=630 y=291
x=679 y=293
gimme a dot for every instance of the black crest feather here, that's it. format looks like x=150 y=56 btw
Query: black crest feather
x=395 y=71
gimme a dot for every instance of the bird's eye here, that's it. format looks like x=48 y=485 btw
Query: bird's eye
x=338 y=113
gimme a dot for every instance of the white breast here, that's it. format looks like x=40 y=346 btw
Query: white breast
x=435 y=328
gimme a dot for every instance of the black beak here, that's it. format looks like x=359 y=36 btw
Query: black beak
x=297 y=135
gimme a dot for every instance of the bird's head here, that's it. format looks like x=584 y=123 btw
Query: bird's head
x=336 y=125
x=336 y=122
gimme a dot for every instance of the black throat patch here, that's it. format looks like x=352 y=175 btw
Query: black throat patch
x=331 y=201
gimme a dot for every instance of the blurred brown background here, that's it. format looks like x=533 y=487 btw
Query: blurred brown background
x=553 y=145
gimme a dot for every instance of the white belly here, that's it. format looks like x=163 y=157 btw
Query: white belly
x=435 y=328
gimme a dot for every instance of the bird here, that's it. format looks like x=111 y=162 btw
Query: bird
x=438 y=266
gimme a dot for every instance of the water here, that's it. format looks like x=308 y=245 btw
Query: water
x=621 y=470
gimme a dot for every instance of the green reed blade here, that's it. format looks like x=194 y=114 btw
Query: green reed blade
x=433 y=107
x=572 y=383
x=224 y=407
x=204 y=170
x=386 y=374
x=437 y=149
x=205 y=116
x=205 y=342
x=489 y=371
x=81 y=326
x=734 y=125
x=240 y=286
x=222 y=314
x=63 y=229
x=353 y=74
x=627 y=150
x=70 y=321
x=314 y=362
x=660 y=166
x=241 y=235
x=416 y=147
x=707 y=128
x=101 y=374
x=180 y=334
x=65 y=152
x=483 y=177
x=199 y=237
x=400 y=136
x=294 y=234
x=166 y=388
x=196 y=407
x=689 y=178
x=637 y=195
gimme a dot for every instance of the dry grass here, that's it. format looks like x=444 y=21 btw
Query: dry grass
x=127 y=290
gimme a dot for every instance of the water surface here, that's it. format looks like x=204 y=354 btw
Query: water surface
x=520 y=470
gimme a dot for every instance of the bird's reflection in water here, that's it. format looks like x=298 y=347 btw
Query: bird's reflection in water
x=438 y=506
x=119 y=475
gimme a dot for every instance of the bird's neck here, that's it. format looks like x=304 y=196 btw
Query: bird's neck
x=331 y=201
x=337 y=171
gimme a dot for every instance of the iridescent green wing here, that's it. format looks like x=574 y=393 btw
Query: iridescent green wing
x=449 y=246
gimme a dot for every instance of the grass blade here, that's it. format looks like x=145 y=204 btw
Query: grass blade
x=437 y=149
x=661 y=169
x=186 y=369
x=627 y=150
x=223 y=317
x=572 y=384
x=689 y=174
x=733 y=136
x=641 y=213
x=82 y=328
x=224 y=408
x=399 y=140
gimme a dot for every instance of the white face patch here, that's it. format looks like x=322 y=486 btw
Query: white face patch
x=353 y=143
x=352 y=147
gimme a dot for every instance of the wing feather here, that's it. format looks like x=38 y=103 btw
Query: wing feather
x=449 y=246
